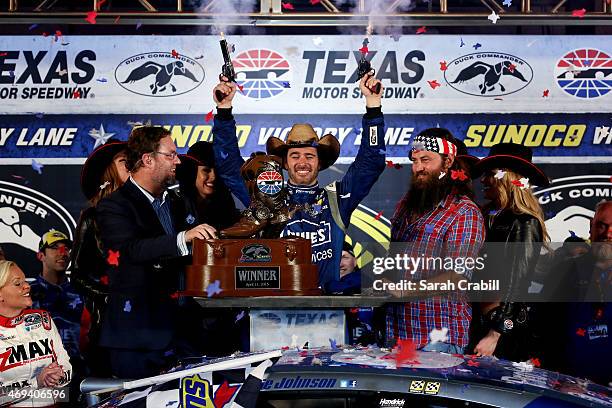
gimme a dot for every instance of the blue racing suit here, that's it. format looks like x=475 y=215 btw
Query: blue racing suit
x=328 y=216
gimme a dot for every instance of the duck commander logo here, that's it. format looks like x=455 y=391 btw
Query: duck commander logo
x=159 y=74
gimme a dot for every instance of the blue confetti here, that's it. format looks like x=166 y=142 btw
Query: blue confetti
x=138 y=26
x=382 y=151
x=587 y=63
x=213 y=288
x=357 y=131
x=127 y=307
x=395 y=37
x=224 y=155
x=40 y=115
x=507 y=3
x=65 y=43
x=462 y=43
x=33 y=26
x=477 y=46
x=429 y=228
x=317 y=208
x=102 y=80
x=333 y=345
x=573 y=234
x=190 y=219
x=37 y=166
x=239 y=316
x=314 y=144
x=286 y=85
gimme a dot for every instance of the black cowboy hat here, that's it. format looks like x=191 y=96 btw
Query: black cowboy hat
x=303 y=135
x=515 y=157
x=96 y=164
x=462 y=154
x=199 y=154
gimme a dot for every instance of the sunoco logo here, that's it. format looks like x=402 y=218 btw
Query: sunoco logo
x=488 y=74
x=25 y=215
x=159 y=74
x=262 y=73
x=569 y=204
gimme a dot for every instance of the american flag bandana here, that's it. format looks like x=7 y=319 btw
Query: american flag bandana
x=433 y=144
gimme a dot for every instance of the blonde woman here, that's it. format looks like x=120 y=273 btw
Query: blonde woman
x=36 y=357
x=513 y=217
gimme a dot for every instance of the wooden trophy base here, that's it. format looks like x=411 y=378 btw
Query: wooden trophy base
x=252 y=267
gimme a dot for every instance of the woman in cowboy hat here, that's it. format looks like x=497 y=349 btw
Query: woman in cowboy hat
x=209 y=200
x=103 y=172
x=515 y=218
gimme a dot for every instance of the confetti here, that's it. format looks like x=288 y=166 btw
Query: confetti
x=57 y=36
x=378 y=215
x=405 y=351
x=545 y=93
x=473 y=363
x=240 y=316
x=224 y=155
x=294 y=339
x=213 y=288
x=138 y=25
x=364 y=50
x=317 y=41
x=443 y=66
x=63 y=72
x=458 y=175
x=511 y=67
x=441 y=176
x=286 y=85
x=499 y=174
x=104 y=280
x=117 y=20
x=91 y=17
x=113 y=257
x=439 y=336
x=524 y=183
x=102 y=80
x=314 y=2
x=39 y=115
x=396 y=37
x=37 y=166
x=579 y=13
x=209 y=116
x=434 y=84
x=65 y=44
x=421 y=30
x=287 y=6
x=461 y=44
x=493 y=17
x=76 y=94
x=572 y=234
x=240 y=87
x=33 y=26
x=104 y=185
x=174 y=295
x=332 y=344
x=3 y=54
x=429 y=228
x=174 y=54
x=127 y=307
x=535 y=361
x=507 y=3
x=477 y=46
x=199 y=57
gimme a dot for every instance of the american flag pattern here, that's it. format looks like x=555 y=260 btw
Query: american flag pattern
x=434 y=144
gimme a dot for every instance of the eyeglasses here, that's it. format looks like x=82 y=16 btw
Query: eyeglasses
x=172 y=155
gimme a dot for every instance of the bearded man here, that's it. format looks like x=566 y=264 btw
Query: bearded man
x=437 y=218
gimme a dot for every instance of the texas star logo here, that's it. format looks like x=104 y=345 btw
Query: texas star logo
x=585 y=73
x=262 y=73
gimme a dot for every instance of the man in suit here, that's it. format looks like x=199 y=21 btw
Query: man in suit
x=144 y=231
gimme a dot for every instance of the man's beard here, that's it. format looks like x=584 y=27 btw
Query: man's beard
x=602 y=251
x=425 y=193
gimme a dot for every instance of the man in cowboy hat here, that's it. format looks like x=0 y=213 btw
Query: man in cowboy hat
x=436 y=209
x=326 y=211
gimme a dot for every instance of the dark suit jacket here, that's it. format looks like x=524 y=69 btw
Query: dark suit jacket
x=141 y=313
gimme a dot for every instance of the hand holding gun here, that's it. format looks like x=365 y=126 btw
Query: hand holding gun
x=365 y=68
x=227 y=69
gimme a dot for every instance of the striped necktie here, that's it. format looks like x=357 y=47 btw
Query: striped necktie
x=163 y=213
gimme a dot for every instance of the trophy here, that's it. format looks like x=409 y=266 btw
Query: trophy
x=250 y=259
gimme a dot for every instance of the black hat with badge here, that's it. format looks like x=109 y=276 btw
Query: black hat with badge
x=514 y=157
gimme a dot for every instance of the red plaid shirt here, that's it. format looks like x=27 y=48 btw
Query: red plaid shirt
x=454 y=228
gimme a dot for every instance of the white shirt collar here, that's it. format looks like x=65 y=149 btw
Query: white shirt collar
x=147 y=194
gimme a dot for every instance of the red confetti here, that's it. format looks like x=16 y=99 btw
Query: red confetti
x=405 y=352
x=100 y=3
x=364 y=50
x=443 y=66
x=209 y=116
x=473 y=363
x=3 y=54
x=58 y=35
x=174 y=295
x=535 y=361
x=579 y=13
x=390 y=164
x=458 y=175
x=378 y=215
x=396 y=165
x=113 y=257
x=287 y=6
x=421 y=30
x=117 y=20
x=45 y=34
x=545 y=93
x=240 y=87
x=434 y=84
x=354 y=310
x=581 y=332
x=76 y=94
x=517 y=183
x=314 y=2
x=91 y=17
x=175 y=54
x=511 y=67
x=224 y=394
x=104 y=280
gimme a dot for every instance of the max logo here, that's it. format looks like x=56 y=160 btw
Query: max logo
x=19 y=355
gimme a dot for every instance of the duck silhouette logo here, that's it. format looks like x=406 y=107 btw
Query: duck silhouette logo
x=488 y=74
x=159 y=74
x=25 y=215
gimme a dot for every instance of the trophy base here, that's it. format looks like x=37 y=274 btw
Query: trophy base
x=252 y=267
